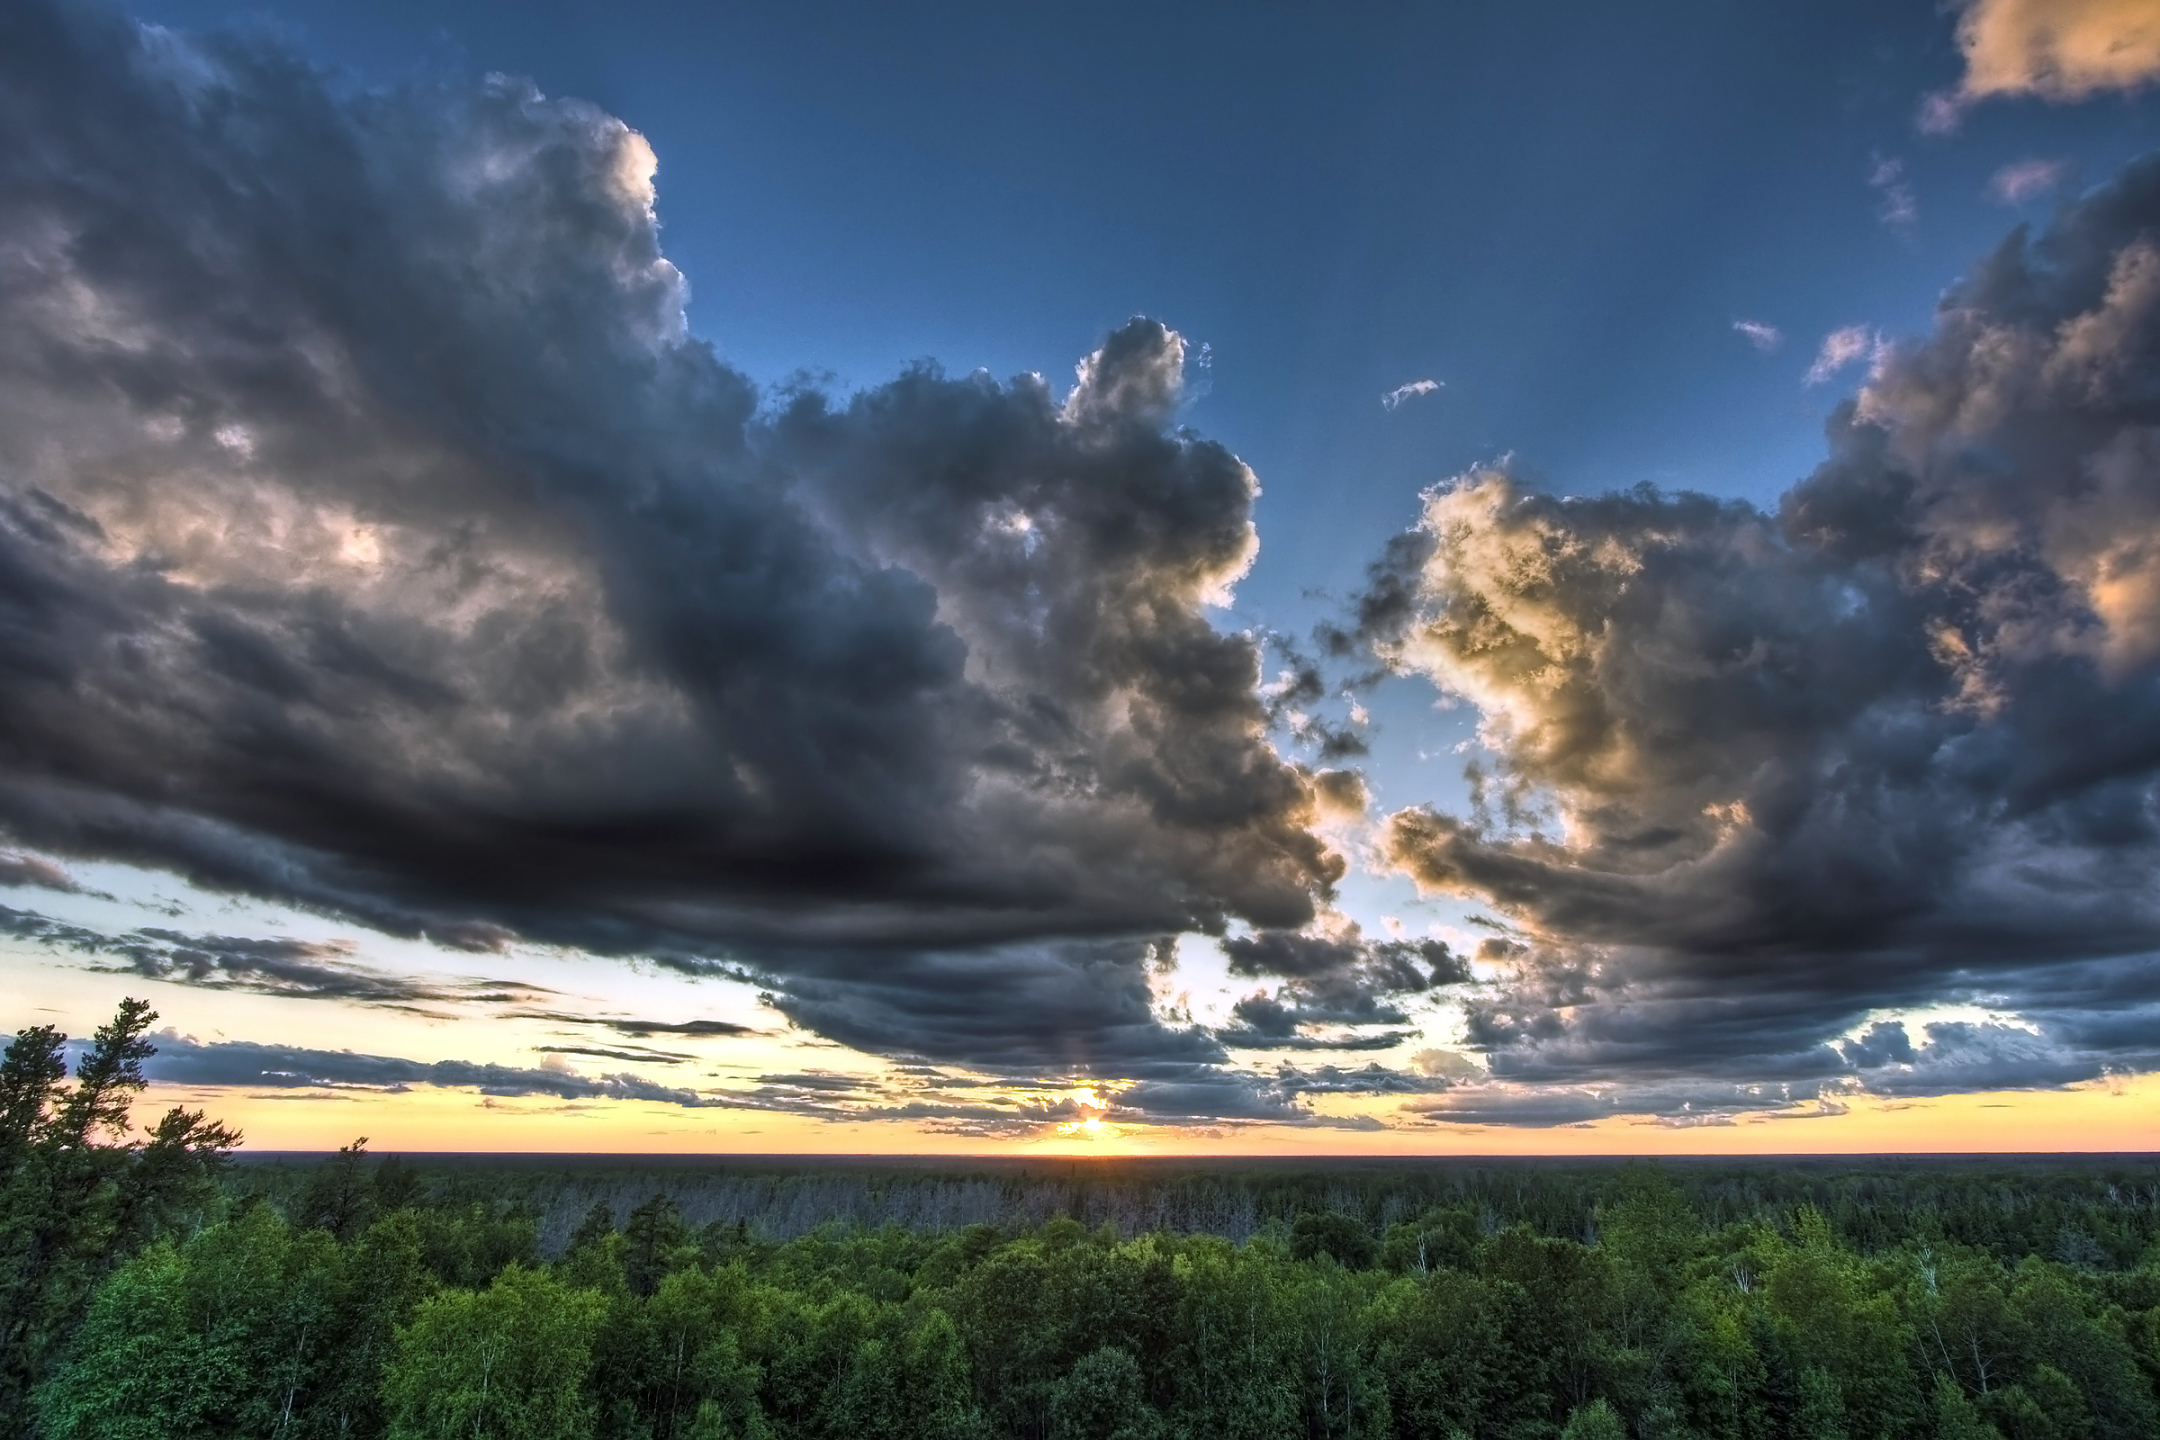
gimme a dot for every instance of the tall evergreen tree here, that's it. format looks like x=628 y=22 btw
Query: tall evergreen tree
x=77 y=1193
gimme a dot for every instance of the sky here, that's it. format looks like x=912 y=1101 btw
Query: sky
x=1269 y=580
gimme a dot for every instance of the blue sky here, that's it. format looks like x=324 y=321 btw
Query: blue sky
x=1559 y=212
x=1615 y=240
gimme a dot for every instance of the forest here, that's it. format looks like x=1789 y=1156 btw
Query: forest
x=159 y=1285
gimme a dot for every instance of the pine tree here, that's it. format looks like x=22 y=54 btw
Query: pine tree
x=77 y=1194
x=338 y=1197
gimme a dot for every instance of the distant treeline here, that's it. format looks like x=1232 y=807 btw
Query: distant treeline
x=158 y=1292
x=2101 y=1212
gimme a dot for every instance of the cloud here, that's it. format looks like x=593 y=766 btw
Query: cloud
x=1958 y=1055
x=838 y=1084
x=375 y=538
x=1365 y=1080
x=640 y=1029
x=35 y=872
x=633 y=1057
x=1755 y=774
x=2060 y=50
x=1339 y=979
x=1264 y=1022
x=295 y=969
x=183 y=1060
x=1899 y=209
x=1410 y=391
x=1844 y=347
x=1076 y=1009
x=1763 y=337
x=2026 y=180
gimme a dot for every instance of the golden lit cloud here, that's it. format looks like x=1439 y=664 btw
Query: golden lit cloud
x=2057 y=49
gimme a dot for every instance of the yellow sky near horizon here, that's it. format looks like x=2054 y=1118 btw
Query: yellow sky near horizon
x=560 y=1029
x=2120 y=1115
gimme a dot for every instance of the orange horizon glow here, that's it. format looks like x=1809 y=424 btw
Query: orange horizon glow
x=2117 y=1116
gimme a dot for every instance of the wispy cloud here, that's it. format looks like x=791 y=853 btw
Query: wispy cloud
x=1762 y=336
x=2026 y=180
x=295 y=969
x=34 y=871
x=1410 y=391
x=1886 y=177
x=1844 y=347
x=184 y=1060
x=641 y=1029
x=633 y=1057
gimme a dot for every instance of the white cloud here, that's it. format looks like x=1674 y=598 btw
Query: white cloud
x=1762 y=336
x=1415 y=388
x=2060 y=50
x=2026 y=180
x=1940 y=113
x=1841 y=348
x=1900 y=211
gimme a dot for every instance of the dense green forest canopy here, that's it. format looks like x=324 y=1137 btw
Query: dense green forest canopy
x=154 y=1288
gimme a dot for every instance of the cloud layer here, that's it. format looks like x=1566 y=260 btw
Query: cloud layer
x=375 y=538
x=2060 y=50
x=1755 y=775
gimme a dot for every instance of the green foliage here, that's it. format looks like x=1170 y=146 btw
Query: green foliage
x=468 y=1245
x=358 y=1299
x=1340 y=1237
x=78 y=1193
x=655 y=1242
x=1594 y=1421
x=1103 y=1398
x=256 y=1327
x=340 y=1196
x=1956 y=1417
x=250 y=1328
x=509 y=1362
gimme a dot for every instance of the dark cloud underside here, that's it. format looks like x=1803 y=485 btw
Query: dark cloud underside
x=374 y=537
x=1760 y=773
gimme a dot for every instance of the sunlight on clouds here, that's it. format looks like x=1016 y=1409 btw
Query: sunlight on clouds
x=1410 y=391
x=1916 y=1019
x=1844 y=347
x=2061 y=50
x=2118 y=1114
x=1091 y=1125
x=2026 y=180
x=1763 y=336
x=801 y=770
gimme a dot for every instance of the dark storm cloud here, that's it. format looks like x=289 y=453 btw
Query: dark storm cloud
x=374 y=537
x=32 y=872
x=1372 y=1079
x=297 y=969
x=1962 y=1055
x=632 y=1057
x=1756 y=774
x=57 y=934
x=1079 y=1008
x=1264 y=1022
x=182 y=1060
x=837 y=1084
x=1332 y=980
x=640 y=1029
x=1885 y=1043
x=1228 y=1096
